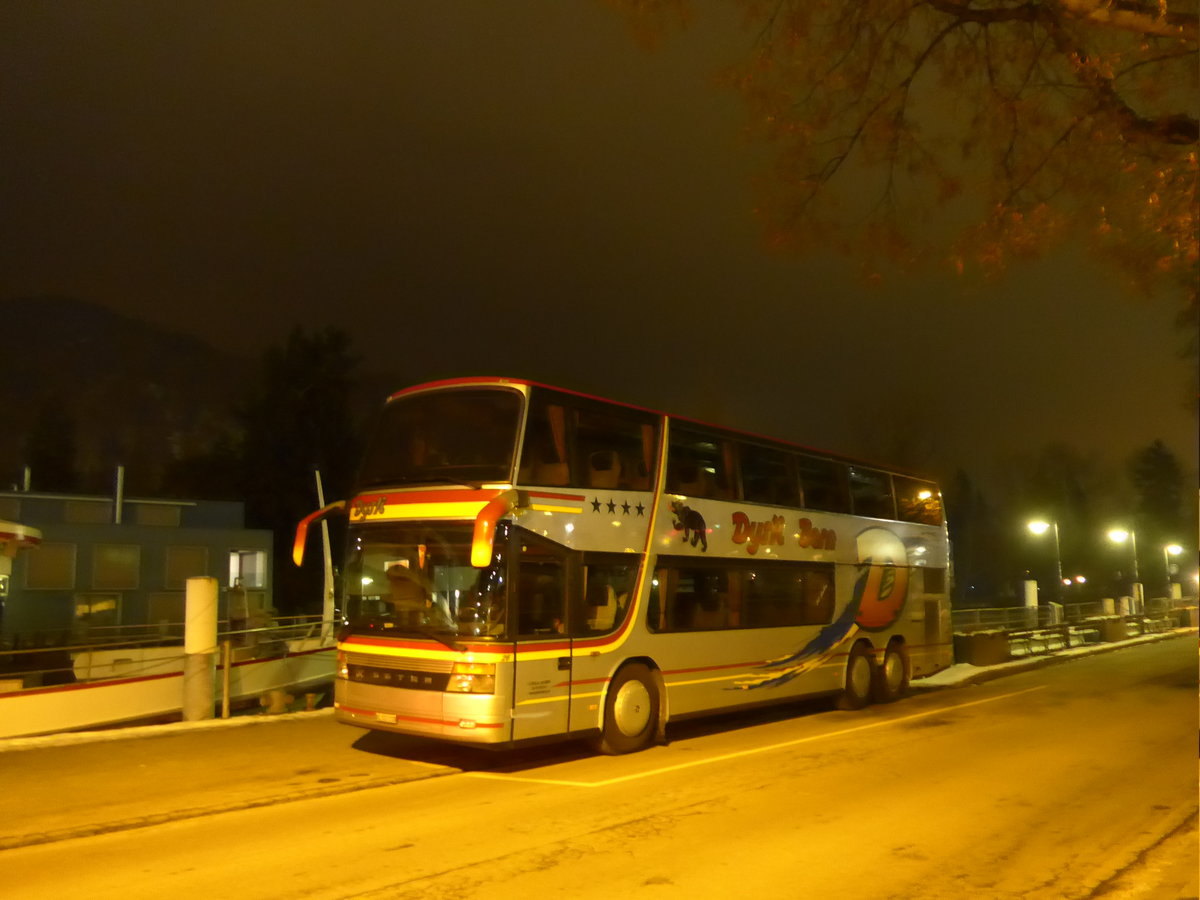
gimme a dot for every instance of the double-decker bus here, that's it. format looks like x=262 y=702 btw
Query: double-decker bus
x=525 y=562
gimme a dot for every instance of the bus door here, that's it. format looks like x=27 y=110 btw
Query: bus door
x=542 y=667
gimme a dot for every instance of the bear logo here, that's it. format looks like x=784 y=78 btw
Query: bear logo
x=691 y=523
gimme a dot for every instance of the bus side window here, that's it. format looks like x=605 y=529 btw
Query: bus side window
x=818 y=597
x=606 y=592
x=871 y=493
x=918 y=501
x=768 y=476
x=544 y=459
x=541 y=590
x=824 y=484
x=701 y=465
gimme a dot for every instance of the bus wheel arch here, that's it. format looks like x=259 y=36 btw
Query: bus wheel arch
x=893 y=674
x=860 y=677
x=634 y=712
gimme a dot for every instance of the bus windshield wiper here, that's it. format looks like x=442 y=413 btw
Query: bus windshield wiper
x=439 y=636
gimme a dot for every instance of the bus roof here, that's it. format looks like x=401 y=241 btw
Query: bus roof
x=469 y=380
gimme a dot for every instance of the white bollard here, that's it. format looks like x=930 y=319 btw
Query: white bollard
x=1031 y=603
x=200 y=648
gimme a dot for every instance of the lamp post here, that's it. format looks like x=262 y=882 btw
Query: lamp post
x=1039 y=527
x=1119 y=536
x=1168 y=551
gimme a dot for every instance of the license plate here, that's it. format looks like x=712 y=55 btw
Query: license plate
x=386 y=718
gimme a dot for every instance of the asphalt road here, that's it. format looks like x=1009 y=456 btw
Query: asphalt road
x=1075 y=780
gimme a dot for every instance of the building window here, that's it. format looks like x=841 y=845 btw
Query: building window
x=96 y=610
x=167 y=609
x=157 y=514
x=250 y=566
x=51 y=567
x=184 y=563
x=88 y=512
x=116 y=567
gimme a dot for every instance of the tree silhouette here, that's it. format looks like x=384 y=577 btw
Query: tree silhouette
x=298 y=418
x=1158 y=483
x=49 y=447
x=975 y=131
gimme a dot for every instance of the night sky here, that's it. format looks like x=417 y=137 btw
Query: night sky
x=519 y=188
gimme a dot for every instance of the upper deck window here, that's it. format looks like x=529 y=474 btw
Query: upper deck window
x=700 y=464
x=824 y=484
x=871 y=492
x=458 y=436
x=768 y=476
x=918 y=501
x=579 y=442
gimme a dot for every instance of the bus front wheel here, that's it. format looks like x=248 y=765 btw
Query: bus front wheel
x=860 y=676
x=630 y=711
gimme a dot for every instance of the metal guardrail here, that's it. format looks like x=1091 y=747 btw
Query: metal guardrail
x=1019 y=618
x=990 y=636
x=50 y=663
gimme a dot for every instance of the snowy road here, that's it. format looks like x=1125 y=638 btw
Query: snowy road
x=1070 y=781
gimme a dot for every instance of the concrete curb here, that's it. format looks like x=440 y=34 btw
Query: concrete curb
x=133 y=732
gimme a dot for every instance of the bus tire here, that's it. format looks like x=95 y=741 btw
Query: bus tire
x=891 y=678
x=630 y=711
x=860 y=676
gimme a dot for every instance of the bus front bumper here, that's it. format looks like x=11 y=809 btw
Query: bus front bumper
x=463 y=718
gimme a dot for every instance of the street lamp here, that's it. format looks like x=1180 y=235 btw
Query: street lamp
x=1119 y=536
x=1039 y=527
x=1168 y=551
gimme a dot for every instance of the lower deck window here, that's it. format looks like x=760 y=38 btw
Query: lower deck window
x=686 y=596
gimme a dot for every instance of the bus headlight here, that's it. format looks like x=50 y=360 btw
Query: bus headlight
x=472 y=678
x=343 y=670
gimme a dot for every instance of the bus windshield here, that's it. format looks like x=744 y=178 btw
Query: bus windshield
x=466 y=436
x=418 y=580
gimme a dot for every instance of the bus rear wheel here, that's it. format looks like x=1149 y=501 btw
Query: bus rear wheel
x=630 y=711
x=860 y=676
x=891 y=679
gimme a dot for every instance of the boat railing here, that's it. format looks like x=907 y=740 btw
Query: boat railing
x=58 y=658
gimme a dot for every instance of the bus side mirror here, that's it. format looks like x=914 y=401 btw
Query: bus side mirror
x=485 y=526
x=302 y=528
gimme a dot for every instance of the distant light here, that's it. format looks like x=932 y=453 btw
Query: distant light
x=366 y=579
x=1118 y=535
x=925 y=495
x=1173 y=549
x=1038 y=526
x=1079 y=579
